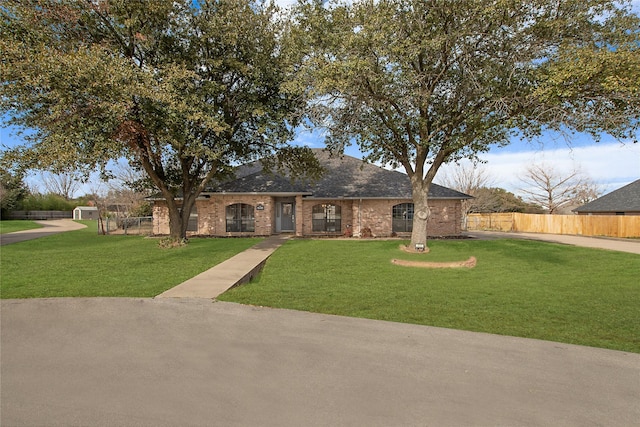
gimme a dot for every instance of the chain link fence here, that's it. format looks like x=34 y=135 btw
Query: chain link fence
x=142 y=226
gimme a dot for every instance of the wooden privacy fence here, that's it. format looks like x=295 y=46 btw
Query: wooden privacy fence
x=582 y=225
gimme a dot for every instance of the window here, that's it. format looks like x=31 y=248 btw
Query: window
x=193 y=220
x=403 y=218
x=240 y=218
x=326 y=217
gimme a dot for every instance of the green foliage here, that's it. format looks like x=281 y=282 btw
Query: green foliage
x=595 y=82
x=421 y=83
x=494 y=199
x=183 y=90
x=85 y=200
x=12 y=190
x=46 y=202
x=143 y=209
x=83 y=263
x=519 y=288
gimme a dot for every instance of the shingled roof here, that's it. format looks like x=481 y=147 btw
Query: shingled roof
x=624 y=199
x=344 y=177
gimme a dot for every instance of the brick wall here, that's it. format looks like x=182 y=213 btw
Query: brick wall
x=212 y=215
x=217 y=223
x=346 y=216
x=299 y=217
x=445 y=218
x=160 y=217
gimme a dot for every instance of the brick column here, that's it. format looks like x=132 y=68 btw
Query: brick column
x=299 y=216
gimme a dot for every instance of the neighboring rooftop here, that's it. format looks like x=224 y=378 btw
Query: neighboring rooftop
x=624 y=199
x=343 y=177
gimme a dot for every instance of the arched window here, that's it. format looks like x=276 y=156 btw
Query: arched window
x=240 y=218
x=326 y=217
x=403 y=218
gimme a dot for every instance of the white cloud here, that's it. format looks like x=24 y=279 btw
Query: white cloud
x=285 y=4
x=309 y=138
x=610 y=165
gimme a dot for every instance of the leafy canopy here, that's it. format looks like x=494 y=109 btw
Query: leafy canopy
x=435 y=81
x=182 y=89
x=418 y=83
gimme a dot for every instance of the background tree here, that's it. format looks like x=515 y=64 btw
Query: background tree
x=35 y=201
x=12 y=190
x=469 y=179
x=182 y=89
x=63 y=184
x=585 y=193
x=128 y=189
x=553 y=190
x=420 y=83
x=496 y=200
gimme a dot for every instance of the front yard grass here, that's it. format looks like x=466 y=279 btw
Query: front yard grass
x=519 y=288
x=84 y=264
x=11 y=225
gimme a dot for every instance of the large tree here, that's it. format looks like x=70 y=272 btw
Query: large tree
x=418 y=83
x=182 y=89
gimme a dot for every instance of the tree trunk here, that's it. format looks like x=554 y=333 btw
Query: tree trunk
x=179 y=217
x=420 y=216
x=176 y=229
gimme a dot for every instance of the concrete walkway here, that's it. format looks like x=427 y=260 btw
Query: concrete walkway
x=612 y=244
x=53 y=226
x=232 y=272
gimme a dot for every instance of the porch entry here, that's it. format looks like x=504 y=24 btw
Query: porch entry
x=285 y=216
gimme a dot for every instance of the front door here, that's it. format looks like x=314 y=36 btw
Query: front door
x=285 y=216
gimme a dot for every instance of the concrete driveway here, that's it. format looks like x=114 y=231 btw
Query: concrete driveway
x=53 y=226
x=609 y=243
x=194 y=362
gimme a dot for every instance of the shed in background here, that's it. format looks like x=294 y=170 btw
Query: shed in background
x=85 y=212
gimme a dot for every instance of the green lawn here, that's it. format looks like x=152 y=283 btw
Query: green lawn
x=83 y=263
x=519 y=288
x=11 y=225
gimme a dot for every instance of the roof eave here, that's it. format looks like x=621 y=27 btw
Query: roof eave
x=257 y=193
x=381 y=198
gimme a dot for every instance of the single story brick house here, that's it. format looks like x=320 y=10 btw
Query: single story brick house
x=352 y=198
